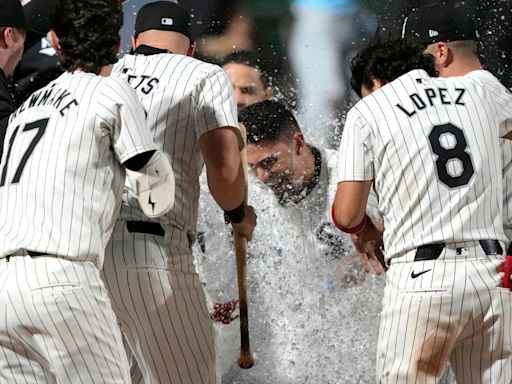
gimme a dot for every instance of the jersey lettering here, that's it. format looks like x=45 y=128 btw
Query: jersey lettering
x=431 y=95
x=146 y=83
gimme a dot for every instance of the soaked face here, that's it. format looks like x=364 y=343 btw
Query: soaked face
x=277 y=165
x=247 y=84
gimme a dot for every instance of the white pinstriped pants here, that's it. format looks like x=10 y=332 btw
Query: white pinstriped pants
x=161 y=306
x=57 y=325
x=456 y=312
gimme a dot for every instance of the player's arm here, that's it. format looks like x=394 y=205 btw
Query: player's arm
x=147 y=169
x=355 y=176
x=221 y=152
x=220 y=142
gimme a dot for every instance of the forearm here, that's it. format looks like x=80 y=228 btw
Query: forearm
x=221 y=152
x=349 y=208
x=228 y=194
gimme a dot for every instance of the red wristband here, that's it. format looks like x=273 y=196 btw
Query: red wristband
x=354 y=230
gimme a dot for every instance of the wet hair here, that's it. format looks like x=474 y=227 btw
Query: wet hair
x=268 y=120
x=88 y=32
x=250 y=59
x=388 y=60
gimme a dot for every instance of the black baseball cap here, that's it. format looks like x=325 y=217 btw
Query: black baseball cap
x=438 y=22
x=11 y=14
x=164 y=16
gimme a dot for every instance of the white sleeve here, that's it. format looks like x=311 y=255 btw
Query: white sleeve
x=122 y=114
x=506 y=157
x=355 y=157
x=216 y=106
x=503 y=101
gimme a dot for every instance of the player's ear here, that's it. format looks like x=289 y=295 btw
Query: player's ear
x=192 y=49
x=444 y=54
x=269 y=92
x=134 y=42
x=298 y=142
x=7 y=37
x=441 y=53
x=377 y=83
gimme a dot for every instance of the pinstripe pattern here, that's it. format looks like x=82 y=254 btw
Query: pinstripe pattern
x=449 y=309
x=153 y=283
x=190 y=98
x=396 y=153
x=506 y=159
x=56 y=324
x=69 y=193
x=164 y=316
x=429 y=321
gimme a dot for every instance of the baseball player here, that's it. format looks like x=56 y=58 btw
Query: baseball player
x=303 y=287
x=61 y=181
x=455 y=52
x=149 y=269
x=429 y=145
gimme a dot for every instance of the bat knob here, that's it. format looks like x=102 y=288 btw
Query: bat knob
x=246 y=361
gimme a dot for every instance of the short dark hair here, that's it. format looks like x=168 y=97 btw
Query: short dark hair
x=388 y=60
x=88 y=32
x=250 y=59
x=268 y=120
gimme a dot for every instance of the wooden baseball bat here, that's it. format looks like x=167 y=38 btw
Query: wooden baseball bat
x=246 y=360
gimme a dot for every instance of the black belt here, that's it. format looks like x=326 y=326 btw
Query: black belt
x=30 y=253
x=433 y=251
x=145 y=227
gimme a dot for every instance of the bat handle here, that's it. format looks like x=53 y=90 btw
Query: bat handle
x=246 y=360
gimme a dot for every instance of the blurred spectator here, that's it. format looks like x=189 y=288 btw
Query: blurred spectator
x=38 y=65
x=236 y=36
x=12 y=38
x=321 y=39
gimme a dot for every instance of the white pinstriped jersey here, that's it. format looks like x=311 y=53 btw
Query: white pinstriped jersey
x=184 y=98
x=431 y=145
x=61 y=176
x=506 y=158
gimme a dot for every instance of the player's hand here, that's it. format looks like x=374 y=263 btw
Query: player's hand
x=368 y=245
x=246 y=227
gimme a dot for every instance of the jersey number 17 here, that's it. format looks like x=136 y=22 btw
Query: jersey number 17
x=40 y=125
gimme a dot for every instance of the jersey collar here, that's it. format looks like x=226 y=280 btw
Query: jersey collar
x=148 y=50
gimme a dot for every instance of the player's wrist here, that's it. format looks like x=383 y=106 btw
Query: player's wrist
x=237 y=214
x=351 y=230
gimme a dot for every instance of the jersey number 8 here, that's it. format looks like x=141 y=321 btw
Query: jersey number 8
x=454 y=165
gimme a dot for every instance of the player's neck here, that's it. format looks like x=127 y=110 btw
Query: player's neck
x=461 y=68
x=312 y=164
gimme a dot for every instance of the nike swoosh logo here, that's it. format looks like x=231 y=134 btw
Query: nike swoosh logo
x=415 y=275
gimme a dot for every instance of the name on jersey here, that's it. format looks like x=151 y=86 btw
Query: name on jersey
x=57 y=97
x=144 y=83
x=431 y=96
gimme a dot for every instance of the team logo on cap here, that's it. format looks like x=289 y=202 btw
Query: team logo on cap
x=432 y=33
x=167 y=21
